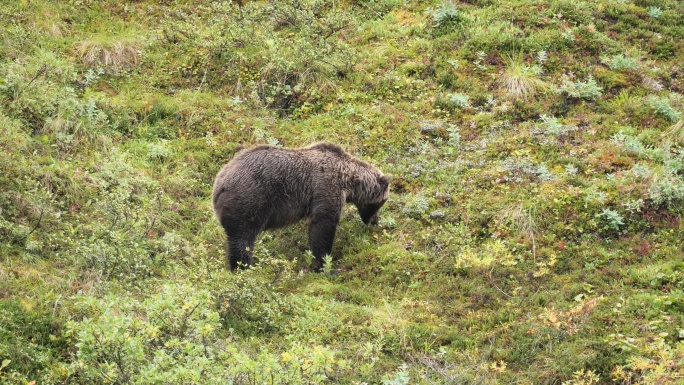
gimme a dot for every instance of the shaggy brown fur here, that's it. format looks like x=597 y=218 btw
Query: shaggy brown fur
x=267 y=187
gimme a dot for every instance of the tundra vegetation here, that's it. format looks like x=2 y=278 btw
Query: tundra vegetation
x=533 y=233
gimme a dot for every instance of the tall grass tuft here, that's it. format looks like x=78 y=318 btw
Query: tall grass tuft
x=114 y=56
x=521 y=81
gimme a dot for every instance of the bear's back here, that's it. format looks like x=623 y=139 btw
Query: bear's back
x=301 y=161
x=270 y=164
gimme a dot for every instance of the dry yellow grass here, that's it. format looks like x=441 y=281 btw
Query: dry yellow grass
x=520 y=220
x=676 y=132
x=112 y=57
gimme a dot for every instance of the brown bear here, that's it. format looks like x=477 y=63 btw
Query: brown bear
x=266 y=187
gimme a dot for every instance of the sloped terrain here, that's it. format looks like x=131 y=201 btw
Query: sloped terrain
x=533 y=234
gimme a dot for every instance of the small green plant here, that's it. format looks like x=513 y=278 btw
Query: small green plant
x=454 y=135
x=569 y=34
x=544 y=174
x=654 y=12
x=662 y=106
x=387 y=222
x=327 y=264
x=594 y=197
x=459 y=100
x=641 y=171
x=437 y=214
x=620 y=62
x=445 y=17
x=571 y=169
x=630 y=144
x=400 y=377
x=307 y=258
x=92 y=76
x=416 y=207
x=480 y=62
x=583 y=377
x=633 y=206
x=551 y=126
x=158 y=151
x=542 y=56
x=612 y=218
x=588 y=90
x=667 y=189
x=519 y=169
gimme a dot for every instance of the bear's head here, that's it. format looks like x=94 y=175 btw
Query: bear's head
x=378 y=194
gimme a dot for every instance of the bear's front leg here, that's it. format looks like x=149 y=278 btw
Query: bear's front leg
x=322 y=234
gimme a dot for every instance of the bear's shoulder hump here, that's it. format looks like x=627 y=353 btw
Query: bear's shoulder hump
x=328 y=147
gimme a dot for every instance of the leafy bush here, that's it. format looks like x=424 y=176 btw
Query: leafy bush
x=169 y=337
x=28 y=342
x=291 y=50
x=250 y=302
x=48 y=104
x=175 y=337
x=117 y=256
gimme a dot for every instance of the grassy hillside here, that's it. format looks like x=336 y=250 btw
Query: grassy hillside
x=533 y=234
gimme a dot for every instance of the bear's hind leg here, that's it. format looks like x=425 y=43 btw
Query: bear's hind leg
x=233 y=253
x=240 y=249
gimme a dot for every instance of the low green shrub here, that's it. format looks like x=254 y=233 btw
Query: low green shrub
x=175 y=336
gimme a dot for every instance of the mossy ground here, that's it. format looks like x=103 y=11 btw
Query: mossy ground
x=533 y=233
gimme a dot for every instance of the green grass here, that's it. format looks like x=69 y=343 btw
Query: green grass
x=533 y=232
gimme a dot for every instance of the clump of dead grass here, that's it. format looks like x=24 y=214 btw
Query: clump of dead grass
x=675 y=133
x=113 y=57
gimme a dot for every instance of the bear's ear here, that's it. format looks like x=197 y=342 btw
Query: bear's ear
x=385 y=179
